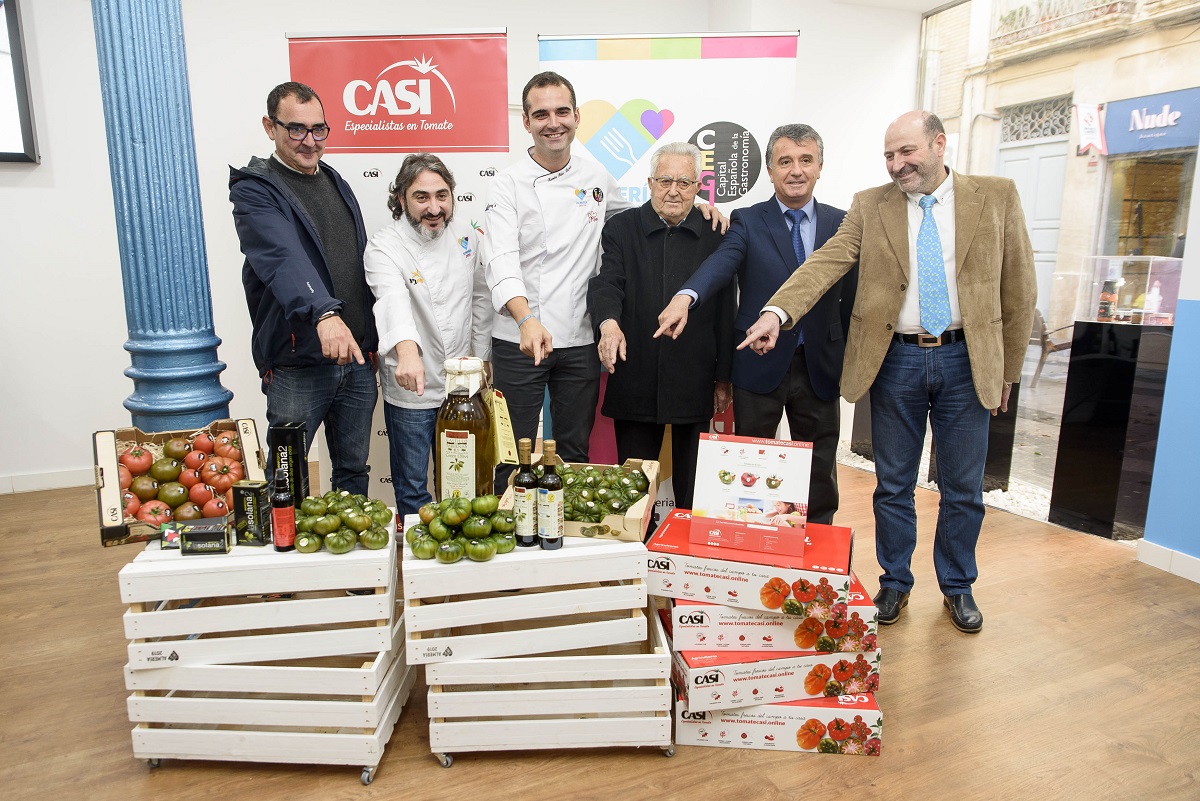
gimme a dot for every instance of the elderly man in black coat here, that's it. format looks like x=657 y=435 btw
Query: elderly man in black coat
x=649 y=252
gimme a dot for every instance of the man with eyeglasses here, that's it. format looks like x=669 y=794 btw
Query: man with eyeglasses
x=649 y=252
x=766 y=243
x=302 y=233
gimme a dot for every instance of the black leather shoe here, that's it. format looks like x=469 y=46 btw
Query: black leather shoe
x=889 y=602
x=964 y=614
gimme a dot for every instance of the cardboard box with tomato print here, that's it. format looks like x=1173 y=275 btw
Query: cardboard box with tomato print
x=116 y=526
x=699 y=626
x=730 y=680
x=843 y=724
x=803 y=586
x=751 y=493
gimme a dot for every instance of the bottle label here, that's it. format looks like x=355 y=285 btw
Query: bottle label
x=456 y=457
x=525 y=510
x=550 y=513
x=283 y=526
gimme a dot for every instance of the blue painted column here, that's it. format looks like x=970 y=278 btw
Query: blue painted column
x=152 y=157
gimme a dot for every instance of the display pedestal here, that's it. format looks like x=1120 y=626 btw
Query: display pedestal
x=1109 y=435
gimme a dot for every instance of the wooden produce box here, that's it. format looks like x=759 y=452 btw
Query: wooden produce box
x=311 y=674
x=115 y=529
x=628 y=527
x=587 y=593
x=616 y=695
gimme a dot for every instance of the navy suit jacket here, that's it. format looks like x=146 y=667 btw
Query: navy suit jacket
x=758 y=249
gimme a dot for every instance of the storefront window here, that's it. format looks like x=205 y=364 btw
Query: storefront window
x=1147 y=203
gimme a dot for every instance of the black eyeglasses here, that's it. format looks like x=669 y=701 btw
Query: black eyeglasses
x=665 y=182
x=297 y=131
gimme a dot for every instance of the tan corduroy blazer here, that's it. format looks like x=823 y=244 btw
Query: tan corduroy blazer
x=997 y=287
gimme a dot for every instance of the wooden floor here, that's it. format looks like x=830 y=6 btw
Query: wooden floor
x=1084 y=684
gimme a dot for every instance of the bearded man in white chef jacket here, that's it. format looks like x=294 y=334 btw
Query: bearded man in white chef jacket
x=543 y=220
x=431 y=304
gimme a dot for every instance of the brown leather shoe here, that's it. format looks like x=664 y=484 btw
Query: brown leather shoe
x=889 y=602
x=964 y=614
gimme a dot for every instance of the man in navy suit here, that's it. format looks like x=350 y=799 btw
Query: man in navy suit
x=763 y=247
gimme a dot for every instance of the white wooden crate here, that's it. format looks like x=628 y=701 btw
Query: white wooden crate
x=588 y=593
x=598 y=697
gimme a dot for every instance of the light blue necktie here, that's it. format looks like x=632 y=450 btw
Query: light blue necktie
x=797 y=216
x=931 y=273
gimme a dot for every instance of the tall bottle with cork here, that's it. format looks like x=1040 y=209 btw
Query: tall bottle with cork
x=525 y=487
x=283 y=514
x=550 y=500
x=465 y=465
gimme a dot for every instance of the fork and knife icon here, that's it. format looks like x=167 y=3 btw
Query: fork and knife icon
x=618 y=145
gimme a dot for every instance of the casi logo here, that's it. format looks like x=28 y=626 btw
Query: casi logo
x=488 y=173
x=385 y=479
x=466 y=197
x=372 y=173
x=849 y=700
x=405 y=96
x=711 y=677
x=857 y=596
x=658 y=563
x=691 y=618
x=700 y=716
x=381 y=432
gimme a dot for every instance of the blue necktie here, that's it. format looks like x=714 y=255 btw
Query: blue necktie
x=931 y=273
x=797 y=216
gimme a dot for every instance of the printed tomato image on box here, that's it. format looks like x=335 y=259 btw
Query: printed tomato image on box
x=729 y=680
x=849 y=626
x=844 y=724
x=804 y=586
x=751 y=493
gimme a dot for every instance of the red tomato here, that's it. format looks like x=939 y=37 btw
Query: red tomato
x=124 y=476
x=190 y=478
x=218 y=472
x=839 y=729
x=203 y=442
x=215 y=508
x=154 y=512
x=843 y=670
x=202 y=493
x=137 y=459
x=194 y=459
x=132 y=503
x=229 y=446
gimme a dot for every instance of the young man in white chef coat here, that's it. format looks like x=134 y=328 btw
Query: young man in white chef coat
x=431 y=304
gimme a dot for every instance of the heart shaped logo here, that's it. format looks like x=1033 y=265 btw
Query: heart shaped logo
x=655 y=122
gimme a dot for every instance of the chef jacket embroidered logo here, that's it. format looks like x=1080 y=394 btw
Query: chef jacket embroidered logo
x=465 y=243
x=416 y=278
x=581 y=197
x=598 y=195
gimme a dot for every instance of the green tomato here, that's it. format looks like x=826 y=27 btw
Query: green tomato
x=457 y=510
x=643 y=484
x=314 y=506
x=428 y=512
x=356 y=520
x=481 y=550
x=327 y=524
x=485 y=505
x=308 y=542
x=341 y=541
x=374 y=538
x=449 y=552
x=503 y=522
x=380 y=514
x=439 y=530
x=359 y=498
x=477 y=526
x=424 y=547
x=504 y=542
x=419 y=530
x=304 y=524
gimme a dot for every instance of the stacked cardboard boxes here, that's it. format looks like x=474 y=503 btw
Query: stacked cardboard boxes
x=771 y=650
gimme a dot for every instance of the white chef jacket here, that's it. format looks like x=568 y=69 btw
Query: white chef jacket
x=433 y=293
x=543 y=243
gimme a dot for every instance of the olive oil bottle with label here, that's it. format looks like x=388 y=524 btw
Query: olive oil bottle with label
x=525 y=487
x=550 y=501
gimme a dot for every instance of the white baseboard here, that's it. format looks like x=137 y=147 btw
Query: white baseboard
x=84 y=477
x=1174 y=562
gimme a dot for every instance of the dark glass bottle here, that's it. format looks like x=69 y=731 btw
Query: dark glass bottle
x=525 y=487
x=283 y=515
x=550 y=500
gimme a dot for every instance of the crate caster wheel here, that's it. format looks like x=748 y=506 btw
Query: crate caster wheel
x=368 y=774
x=154 y=763
x=446 y=760
x=669 y=751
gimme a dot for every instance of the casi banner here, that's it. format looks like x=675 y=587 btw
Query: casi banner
x=719 y=92
x=406 y=93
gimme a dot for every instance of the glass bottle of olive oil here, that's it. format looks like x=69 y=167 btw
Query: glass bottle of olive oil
x=465 y=466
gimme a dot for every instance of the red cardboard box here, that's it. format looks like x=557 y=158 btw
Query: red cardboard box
x=700 y=626
x=805 y=586
x=751 y=493
x=845 y=724
x=731 y=680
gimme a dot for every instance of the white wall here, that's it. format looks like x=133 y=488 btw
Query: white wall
x=63 y=323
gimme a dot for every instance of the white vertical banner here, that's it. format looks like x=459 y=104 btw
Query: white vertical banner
x=721 y=92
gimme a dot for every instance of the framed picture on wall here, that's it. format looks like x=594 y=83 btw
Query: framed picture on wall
x=17 y=141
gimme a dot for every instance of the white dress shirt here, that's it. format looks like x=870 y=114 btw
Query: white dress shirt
x=543 y=243
x=943 y=215
x=432 y=292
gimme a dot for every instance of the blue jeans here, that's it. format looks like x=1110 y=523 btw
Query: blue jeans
x=915 y=384
x=340 y=396
x=410 y=440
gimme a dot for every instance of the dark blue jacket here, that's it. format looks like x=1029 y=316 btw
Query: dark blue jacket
x=285 y=275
